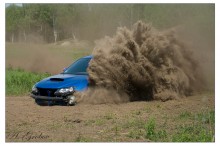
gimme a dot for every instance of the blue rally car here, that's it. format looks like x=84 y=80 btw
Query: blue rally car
x=60 y=88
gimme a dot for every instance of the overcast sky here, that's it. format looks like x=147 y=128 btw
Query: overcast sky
x=18 y=4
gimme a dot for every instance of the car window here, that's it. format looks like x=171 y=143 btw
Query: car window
x=78 y=67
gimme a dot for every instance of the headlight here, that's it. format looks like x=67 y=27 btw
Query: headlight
x=34 y=89
x=64 y=91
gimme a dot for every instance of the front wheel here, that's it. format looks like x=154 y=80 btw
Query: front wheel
x=71 y=100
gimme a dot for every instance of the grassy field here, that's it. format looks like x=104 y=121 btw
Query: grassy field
x=20 y=82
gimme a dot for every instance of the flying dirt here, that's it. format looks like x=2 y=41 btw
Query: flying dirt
x=142 y=64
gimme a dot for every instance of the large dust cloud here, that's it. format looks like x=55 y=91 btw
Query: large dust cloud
x=142 y=64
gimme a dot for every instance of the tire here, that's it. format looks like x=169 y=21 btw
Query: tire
x=71 y=101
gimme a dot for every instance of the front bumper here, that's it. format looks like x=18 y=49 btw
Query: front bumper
x=47 y=98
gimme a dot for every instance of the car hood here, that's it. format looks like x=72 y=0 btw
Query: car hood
x=79 y=82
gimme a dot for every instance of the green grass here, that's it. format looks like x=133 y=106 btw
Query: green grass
x=193 y=133
x=185 y=115
x=201 y=130
x=206 y=117
x=20 y=82
x=152 y=134
x=150 y=128
x=197 y=127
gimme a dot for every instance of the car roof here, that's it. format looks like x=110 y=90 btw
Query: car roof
x=90 y=57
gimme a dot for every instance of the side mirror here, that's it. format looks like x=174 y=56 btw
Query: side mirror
x=64 y=69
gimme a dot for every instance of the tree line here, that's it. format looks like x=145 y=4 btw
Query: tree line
x=56 y=22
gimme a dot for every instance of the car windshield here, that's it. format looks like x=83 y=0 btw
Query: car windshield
x=78 y=67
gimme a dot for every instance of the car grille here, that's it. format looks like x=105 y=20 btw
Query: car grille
x=46 y=92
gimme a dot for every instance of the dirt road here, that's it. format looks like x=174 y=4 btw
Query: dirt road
x=26 y=121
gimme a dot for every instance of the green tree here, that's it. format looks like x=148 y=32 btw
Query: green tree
x=13 y=19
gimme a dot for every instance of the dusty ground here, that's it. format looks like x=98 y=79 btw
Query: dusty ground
x=26 y=121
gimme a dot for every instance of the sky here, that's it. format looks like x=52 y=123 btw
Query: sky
x=8 y=4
